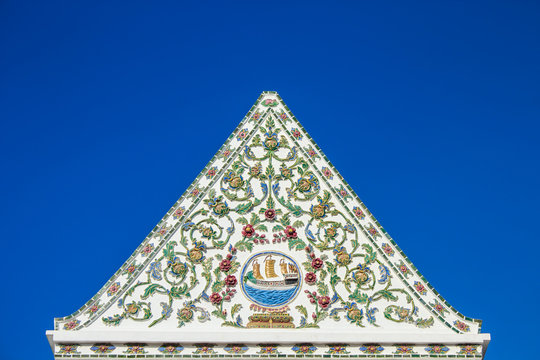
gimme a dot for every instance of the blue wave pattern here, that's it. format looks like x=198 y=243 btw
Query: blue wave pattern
x=270 y=297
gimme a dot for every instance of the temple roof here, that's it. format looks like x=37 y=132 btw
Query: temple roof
x=269 y=244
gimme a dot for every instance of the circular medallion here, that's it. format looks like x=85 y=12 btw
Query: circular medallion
x=271 y=279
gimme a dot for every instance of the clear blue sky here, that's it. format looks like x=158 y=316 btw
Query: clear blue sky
x=430 y=110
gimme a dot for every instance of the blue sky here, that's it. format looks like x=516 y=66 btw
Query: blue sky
x=430 y=110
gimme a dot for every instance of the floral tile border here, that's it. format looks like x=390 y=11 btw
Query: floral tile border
x=268 y=350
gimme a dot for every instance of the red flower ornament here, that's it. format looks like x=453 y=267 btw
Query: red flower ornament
x=230 y=280
x=311 y=278
x=225 y=265
x=324 y=301
x=317 y=263
x=290 y=232
x=270 y=214
x=215 y=299
x=248 y=230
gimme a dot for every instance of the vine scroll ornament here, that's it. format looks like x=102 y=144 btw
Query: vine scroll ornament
x=270 y=199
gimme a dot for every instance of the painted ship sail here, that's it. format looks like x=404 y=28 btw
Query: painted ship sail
x=257 y=271
x=269 y=267
x=271 y=280
x=283 y=266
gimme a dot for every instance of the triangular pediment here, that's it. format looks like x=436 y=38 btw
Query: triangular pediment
x=269 y=239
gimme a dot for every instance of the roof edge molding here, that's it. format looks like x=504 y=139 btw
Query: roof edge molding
x=283 y=337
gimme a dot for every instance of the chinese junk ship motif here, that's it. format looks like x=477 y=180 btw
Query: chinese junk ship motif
x=289 y=272
x=268 y=287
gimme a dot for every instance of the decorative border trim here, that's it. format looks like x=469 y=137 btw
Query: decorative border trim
x=237 y=351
